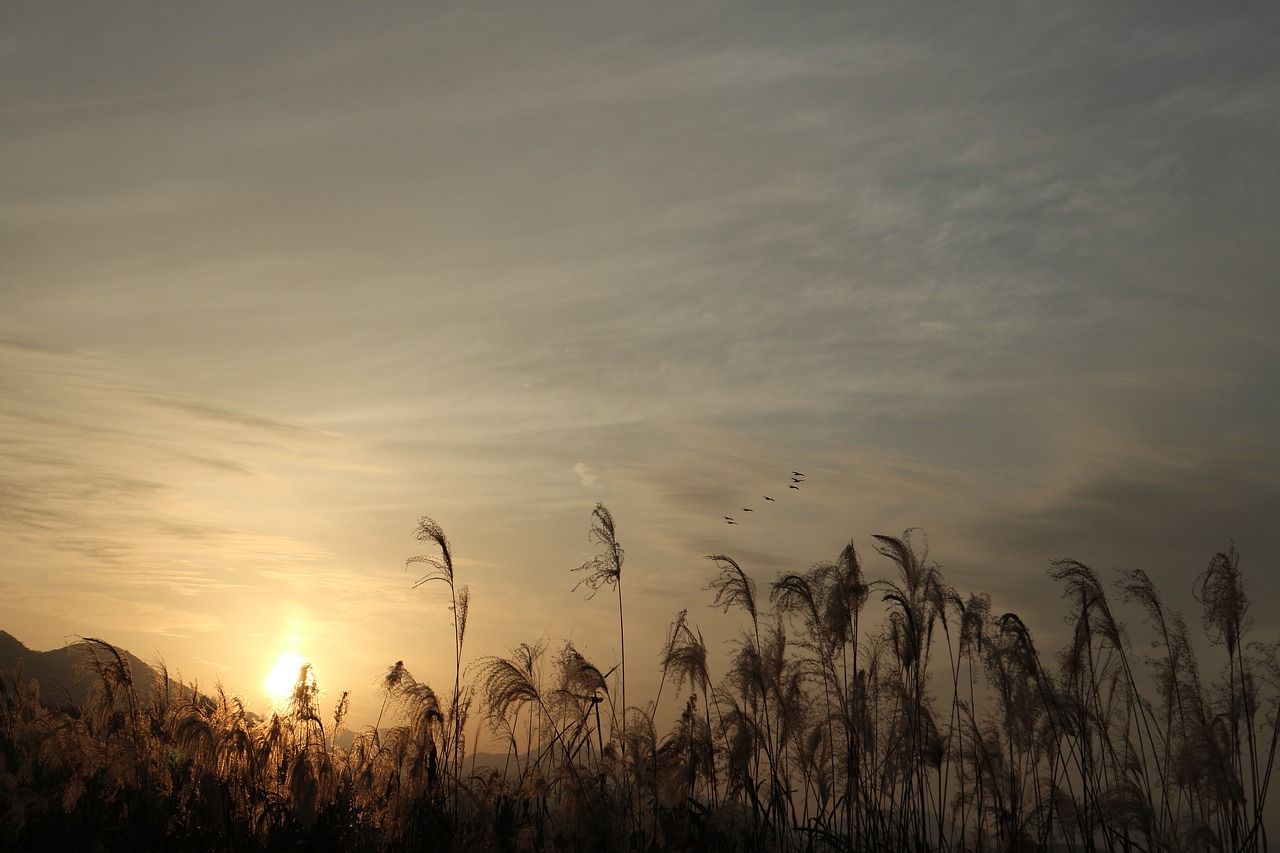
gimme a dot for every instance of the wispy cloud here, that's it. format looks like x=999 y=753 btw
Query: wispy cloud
x=586 y=476
x=1004 y=273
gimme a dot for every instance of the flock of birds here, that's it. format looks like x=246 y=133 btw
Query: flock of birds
x=796 y=479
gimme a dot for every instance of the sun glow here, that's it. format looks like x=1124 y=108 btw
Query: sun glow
x=279 y=682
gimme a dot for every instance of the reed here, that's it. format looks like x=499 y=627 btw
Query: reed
x=460 y=599
x=926 y=724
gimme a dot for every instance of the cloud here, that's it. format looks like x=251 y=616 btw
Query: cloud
x=1150 y=512
x=586 y=476
x=220 y=415
x=150 y=202
x=978 y=270
x=105 y=611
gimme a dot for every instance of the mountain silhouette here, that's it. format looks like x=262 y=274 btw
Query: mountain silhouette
x=63 y=674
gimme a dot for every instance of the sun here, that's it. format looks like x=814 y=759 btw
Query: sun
x=279 y=682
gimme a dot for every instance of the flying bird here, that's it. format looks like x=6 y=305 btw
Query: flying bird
x=797 y=479
x=731 y=521
x=728 y=518
x=793 y=487
x=796 y=474
x=747 y=509
x=766 y=497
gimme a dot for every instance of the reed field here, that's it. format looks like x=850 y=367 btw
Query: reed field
x=862 y=708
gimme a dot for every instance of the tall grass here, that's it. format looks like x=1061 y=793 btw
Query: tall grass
x=851 y=715
x=460 y=598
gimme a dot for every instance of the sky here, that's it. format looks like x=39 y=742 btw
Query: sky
x=276 y=280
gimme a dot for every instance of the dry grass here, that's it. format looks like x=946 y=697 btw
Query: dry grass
x=943 y=728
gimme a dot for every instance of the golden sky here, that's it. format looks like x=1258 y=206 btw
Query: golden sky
x=276 y=280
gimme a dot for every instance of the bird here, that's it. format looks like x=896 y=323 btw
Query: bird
x=728 y=518
x=796 y=474
x=747 y=509
x=797 y=479
x=793 y=487
x=731 y=521
x=766 y=497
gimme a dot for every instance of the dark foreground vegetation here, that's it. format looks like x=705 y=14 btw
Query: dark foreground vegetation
x=887 y=715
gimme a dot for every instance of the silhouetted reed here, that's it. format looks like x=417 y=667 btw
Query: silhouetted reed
x=452 y=745
x=927 y=724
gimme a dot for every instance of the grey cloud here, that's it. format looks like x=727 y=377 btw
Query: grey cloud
x=28 y=346
x=225 y=465
x=1152 y=512
x=1003 y=272
x=214 y=413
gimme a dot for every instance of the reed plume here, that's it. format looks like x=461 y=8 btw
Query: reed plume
x=816 y=733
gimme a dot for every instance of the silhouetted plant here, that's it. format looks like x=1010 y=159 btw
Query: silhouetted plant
x=605 y=570
x=460 y=599
x=820 y=734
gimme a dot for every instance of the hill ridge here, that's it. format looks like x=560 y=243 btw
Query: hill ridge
x=62 y=674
